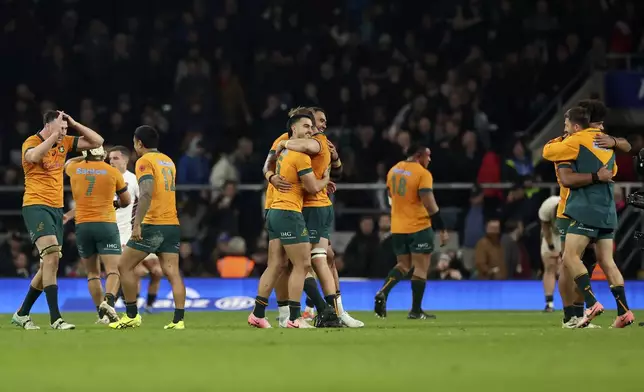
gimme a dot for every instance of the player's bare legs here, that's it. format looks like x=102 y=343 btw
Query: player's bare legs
x=128 y=262
x=94 y=281
x=170 y=266
x=112 y=284
x=420 y=262
x=550 y=267
x=281 y=289
x=605 y=259
x=50 y=253
x=400 y=270
x=275 y=267
x=156 y=273
x=300 y=256
x=575 y=246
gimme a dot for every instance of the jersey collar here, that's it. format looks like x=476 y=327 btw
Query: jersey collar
x=42 y=139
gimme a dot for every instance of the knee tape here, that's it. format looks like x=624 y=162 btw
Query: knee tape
x=52 y=249
x=112 y=273
x=318 y=253
x=90 y=279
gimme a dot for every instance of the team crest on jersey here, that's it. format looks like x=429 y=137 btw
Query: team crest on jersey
x=61 y=149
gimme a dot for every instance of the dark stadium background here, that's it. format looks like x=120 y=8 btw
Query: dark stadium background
x=475 y=80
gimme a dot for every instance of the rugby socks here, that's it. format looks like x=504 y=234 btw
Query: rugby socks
x=311 y=290
x=331 y=302
x=338 y=302
x=417 y=292
x=294 y=310
x=260 y=307
x=620 y=299
x=309 y=302
x=550 y=301
x=395 y=276
x=569 y=312
x=578 y=308
x=178 y=315
x=151 y=299
x=30 y=300
x=51 y=292
x=283 y=309
x=110 y=299
x=98 y=310
x=583 y=282
x=131 y=310
x=119 y=294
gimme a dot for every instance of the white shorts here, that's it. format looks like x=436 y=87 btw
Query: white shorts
x=556 y=241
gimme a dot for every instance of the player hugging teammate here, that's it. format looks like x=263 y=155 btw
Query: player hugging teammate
x=590 y=208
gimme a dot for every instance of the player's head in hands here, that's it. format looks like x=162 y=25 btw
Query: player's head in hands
x=146 y=138
x=419 y=153
x=596 y=112
x=48 y=122
x=576 y=119
x=119 y=157
x=300 y=125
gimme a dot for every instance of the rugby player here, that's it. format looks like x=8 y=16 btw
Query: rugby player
x=155 y=229
x=119 y=158
x=592 y=212
x=572 y=298
x=94 y=184
x=287 y=228
x=319 y=215
x=43 y=158
x=414 y=215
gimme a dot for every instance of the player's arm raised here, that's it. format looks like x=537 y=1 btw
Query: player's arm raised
x=570 y=179
x=618 y=143
x=34 y=153
x=88 y=138
x=309 y=182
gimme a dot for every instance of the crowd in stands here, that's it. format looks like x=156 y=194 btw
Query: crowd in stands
x=217 y=79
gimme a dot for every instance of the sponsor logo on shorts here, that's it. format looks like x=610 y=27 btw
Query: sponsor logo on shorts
x=423 y=245
x=286 y=235
x=112 y=246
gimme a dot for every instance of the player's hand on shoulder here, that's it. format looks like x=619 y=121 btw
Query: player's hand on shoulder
x=603 y=140
x=331 y=188
x=280 y=183
x=605 y=175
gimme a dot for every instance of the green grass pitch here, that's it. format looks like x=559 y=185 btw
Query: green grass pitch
x=488 y=351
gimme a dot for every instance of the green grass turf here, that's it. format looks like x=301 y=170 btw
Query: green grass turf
x=489 y=351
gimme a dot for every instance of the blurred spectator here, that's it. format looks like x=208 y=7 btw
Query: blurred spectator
x=223 y=213
x=362 y=249
x=512 y=252
x=13 y=257
x=489 y=258
x=449 y=267
x=235 y=264
x=474 y=226
x=519 y=164
x=193 y=168
x=385 y=257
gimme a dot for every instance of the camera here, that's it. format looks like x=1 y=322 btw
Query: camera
x=639 y=164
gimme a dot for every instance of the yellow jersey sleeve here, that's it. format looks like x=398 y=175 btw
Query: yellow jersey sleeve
x=303 y=165
x=277 y=141
x=70 y=143
x=144 y=170
x=565 y=150
x=30 y=143
x=121 y=186
x=426 y=181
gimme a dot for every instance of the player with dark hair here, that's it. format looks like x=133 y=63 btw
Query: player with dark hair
x=414 y=216
x=94 y=184
x=155 y=229
x=119 y=157
x=572 y=298
x=43 y=159
x=591 y=209
x=319 y=216
x=287 y=228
